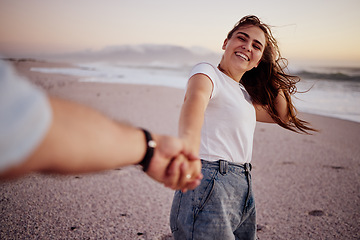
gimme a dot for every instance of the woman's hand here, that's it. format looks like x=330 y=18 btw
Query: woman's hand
x=173 y=165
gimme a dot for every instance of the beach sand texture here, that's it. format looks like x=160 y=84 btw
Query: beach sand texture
x=306 y=187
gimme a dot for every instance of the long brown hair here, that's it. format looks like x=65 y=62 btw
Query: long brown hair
x=264 y=82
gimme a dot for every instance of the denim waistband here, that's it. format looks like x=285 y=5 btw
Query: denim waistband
x=223 y=165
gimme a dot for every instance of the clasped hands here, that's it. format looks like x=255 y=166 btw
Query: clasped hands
x=174 y=165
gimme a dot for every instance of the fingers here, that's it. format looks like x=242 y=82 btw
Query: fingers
x=172 y=174
x=190 y=175
x=179 y=173
x=183 y=174
x=193 y=177
x=192 y=184
x=172 y=165
x=192 y=157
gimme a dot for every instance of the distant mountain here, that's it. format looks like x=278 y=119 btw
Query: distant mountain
x=145 y=54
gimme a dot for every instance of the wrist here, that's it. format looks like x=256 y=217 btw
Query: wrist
x=150 y=149
x=191 y=145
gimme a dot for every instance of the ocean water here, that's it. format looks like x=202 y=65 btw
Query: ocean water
x=327 y=91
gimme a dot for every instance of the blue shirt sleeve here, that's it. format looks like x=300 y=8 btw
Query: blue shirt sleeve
x=25 y=117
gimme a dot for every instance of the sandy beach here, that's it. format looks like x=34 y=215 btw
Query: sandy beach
x=306 y=186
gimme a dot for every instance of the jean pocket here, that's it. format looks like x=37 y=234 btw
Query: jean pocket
x=204 y=191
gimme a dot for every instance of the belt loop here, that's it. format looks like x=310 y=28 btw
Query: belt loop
x=248 y=167
x=223 y=166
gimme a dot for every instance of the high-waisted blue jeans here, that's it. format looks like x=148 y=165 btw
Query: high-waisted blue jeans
x=222 y=207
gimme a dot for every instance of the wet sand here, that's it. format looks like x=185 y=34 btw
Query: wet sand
x=306 y=187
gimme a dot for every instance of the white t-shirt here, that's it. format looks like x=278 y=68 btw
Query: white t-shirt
x=229 y=121
x=25 y=116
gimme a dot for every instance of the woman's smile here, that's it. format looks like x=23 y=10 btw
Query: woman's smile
x=243 y=56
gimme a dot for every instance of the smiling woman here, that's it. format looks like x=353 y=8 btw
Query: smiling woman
x=217 y=121
x=242 y=44
x=262 y=72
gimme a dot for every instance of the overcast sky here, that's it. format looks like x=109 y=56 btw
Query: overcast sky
x=323 y=30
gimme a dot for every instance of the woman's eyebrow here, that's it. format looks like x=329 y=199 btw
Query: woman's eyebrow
x=247 y=36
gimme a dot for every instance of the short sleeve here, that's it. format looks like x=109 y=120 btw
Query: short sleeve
x=25 y=117
x=208 y=70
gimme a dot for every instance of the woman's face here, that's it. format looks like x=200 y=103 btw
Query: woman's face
x=244 y=50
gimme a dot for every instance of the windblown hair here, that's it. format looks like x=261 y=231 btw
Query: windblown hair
x=264 y=82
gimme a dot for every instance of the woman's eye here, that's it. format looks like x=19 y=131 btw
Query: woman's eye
x=256 y=47
x=241 y=38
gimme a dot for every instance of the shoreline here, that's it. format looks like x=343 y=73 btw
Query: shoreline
x=33 y=63
x=102 y=96
x=306 y=186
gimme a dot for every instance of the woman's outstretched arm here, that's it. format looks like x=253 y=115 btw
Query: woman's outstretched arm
x=192 y=113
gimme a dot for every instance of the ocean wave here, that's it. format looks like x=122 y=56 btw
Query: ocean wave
x=338 y=76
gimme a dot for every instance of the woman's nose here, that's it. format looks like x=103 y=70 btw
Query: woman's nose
x=246 y=47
